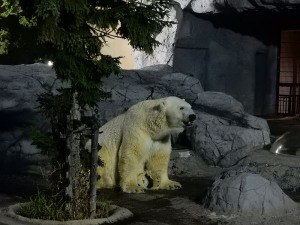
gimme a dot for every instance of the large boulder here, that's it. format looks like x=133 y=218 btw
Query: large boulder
x=285 y=171
x=247 y=193
x=224 y=133
x=153 y=82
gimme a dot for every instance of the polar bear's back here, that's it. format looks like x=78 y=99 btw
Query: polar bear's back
x=111 y=132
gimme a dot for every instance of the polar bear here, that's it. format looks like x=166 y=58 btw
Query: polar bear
x=138 y=142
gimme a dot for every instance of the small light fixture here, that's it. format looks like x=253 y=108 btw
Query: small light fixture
x=50 y=63
x=278 y=149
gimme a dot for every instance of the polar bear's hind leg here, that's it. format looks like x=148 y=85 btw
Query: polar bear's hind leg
x=132 y=164
x=108 y=170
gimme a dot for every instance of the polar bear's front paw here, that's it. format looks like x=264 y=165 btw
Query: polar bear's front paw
x=130 y=188
x=142 y=180
x=170 y=185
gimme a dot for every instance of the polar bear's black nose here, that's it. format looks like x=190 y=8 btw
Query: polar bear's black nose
x=192 y=117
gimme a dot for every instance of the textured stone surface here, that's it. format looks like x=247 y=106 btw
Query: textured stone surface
x=149 y=83
x=19 y=87
x=248 y=193
x=284 y=170
x=33 y=78
x=224 y=133
x=237 y=57
x=243 y=5
x=163 y=54
x=219 y=103
x=185 y=163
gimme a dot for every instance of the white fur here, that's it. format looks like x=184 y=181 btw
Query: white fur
x=138 y=142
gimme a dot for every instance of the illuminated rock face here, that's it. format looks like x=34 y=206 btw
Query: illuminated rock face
x=164 y=54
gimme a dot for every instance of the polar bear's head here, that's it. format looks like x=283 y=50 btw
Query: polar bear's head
x=179 y=113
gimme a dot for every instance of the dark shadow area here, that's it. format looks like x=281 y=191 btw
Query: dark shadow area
x=282 y=6
x=17 y=163
x=11 y=120
x=264 y=25
x=24 y=47
x=279 y=124
x=24 y=185
x=261 y=81
x=182 y=141
x=17 y=155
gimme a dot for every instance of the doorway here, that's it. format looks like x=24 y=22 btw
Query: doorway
x=288 y=98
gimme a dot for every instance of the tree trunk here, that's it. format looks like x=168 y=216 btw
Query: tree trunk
x=73 y=159
x=93 y=171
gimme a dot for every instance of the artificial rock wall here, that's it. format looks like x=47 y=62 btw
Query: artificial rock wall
x=244 y=65
x=230 y=46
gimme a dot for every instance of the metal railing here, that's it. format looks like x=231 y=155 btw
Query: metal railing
x=289 y=104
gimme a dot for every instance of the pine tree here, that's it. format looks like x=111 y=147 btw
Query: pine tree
x=71 y=33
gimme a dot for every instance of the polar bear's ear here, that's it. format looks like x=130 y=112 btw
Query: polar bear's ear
x=160 y=107
x=157 y=108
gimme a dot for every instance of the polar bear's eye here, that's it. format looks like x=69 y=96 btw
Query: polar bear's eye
x=181 y=108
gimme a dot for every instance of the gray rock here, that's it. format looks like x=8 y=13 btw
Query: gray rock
x=34 y=78
x=185 y=163
x=224 y=133
x=164 y=68
x=284 y=170
x=182 y=85
x=138 y=85
x=245 y=5
x=248 y=193
x=219 y=103
x=164 y=53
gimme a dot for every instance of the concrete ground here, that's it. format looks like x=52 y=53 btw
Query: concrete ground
x=163 y=207
x=152 y=207
x=178 y=207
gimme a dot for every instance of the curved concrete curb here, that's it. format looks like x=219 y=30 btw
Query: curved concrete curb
x=118 y=214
